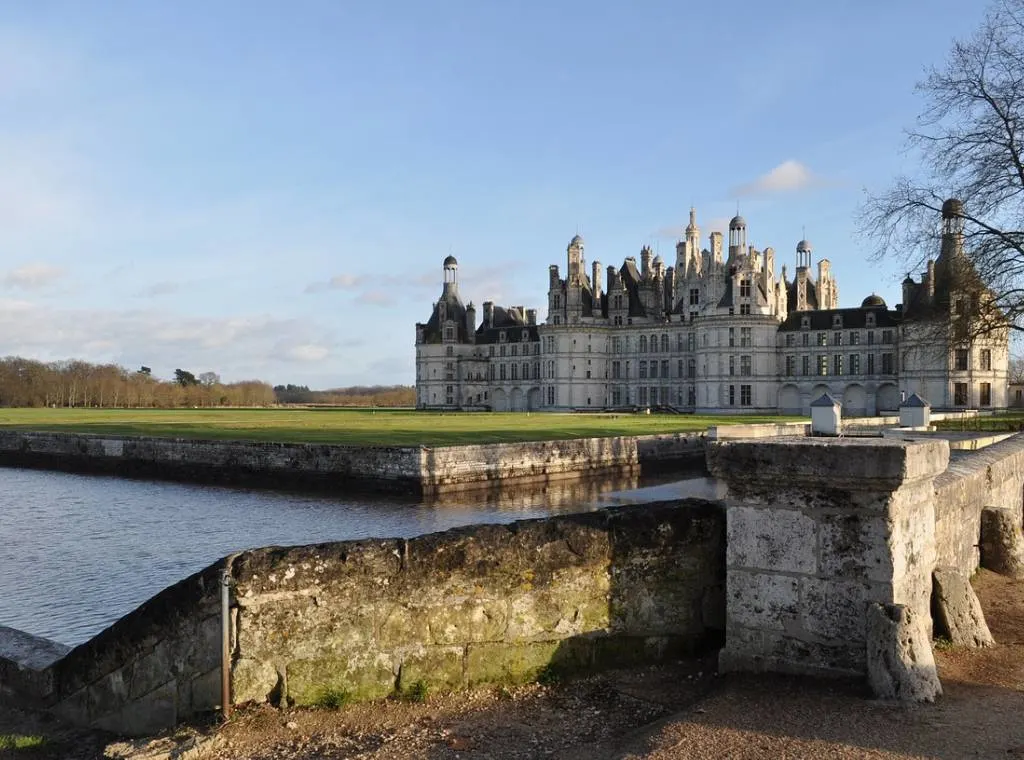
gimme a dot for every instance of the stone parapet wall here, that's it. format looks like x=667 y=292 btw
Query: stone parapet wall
x=989 y=477
x=487 y=604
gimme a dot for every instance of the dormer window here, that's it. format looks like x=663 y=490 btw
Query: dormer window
x=502 y=337
x=526 y=335
x=805 y=323
x=870 y=319
x=837 y=320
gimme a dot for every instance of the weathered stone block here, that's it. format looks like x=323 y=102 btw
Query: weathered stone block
x=370 y=677
x=956 y=610
x=145 y=715
x=1002 y=543
x=751 y=650
x=109 y=694
x=771 y=539
x=758 y=600
x=833 y=609
x=854 y=546
x=204 y=693
x=252 y=680
x=559 y=611
x=437 y=667
x=460 y=622
x=509 y=663
x=900 y=662
x=402 y=624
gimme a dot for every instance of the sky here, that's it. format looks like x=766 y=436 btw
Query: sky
x=267 y=190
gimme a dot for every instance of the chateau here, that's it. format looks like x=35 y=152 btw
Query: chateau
x=720 y=331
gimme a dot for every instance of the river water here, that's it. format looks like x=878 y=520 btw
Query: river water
x=77 y=552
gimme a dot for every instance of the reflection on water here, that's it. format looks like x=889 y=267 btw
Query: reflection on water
x=79 y=551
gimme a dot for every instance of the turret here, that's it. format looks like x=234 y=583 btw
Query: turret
x=716 y=247
x=803 y=254
x=952 y=228
x=451 y=270
x=488 y=314
x=574 y=254
x=737 y=237
x=531 y=316
x=645 y=262
x=471 y=322
x=595 y=282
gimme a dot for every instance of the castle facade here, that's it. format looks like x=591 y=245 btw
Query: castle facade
x=720 y=331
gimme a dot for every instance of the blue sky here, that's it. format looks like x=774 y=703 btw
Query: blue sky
x=267 y=189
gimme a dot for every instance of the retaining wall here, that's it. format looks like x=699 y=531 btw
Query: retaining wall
x=412 y=469
x=482 y=604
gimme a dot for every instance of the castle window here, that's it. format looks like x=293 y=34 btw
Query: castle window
x=643 y=370
x=887 y=336
x=654 y=369
x=745 y=366
x=744 y=308
x=691 y=341
x=502 y=337
x=822 y=365
x=805 y=339
x=961 y=359
x=732 y=365
x=501 y=371
x=870 y=319
x=871 y=337
x=822 y=339
x=515 y=350
x=732 y=336
x=730 y=311
x=744 y=288
x=526 y=335
x=745 y=395
x=618 y=320
x=449 y=333
x=888 y=365
x=790 y=365
x=616 y=369
x=679 y=342
x=654 y=344
x=837 y=364
x=854 y=338
x=732 y=395
x=837 y=339
x=664 y=342
x=871 y=364
x=643 y=344
x=854 y=364
x=746 y=336
x=556 y=320
x=449 y=351
x=805 y=365
x=960 y=394
x=502 y=350
x=679 y=368
x=805 y=323
x=536 y=370
x=837 y=320
x=694 y=296
x=691 y=368
x=986 y=359
x=790 y=339
x=693 y=316
x=526 y=370
x=556 y=302
x=985 y=393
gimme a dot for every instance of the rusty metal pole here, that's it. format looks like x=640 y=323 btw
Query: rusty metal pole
x=225 y=648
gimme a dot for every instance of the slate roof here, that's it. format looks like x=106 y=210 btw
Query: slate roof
x=821 y=319
x=456 y=311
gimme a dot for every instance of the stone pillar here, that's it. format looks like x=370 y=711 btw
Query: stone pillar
x=819 y=529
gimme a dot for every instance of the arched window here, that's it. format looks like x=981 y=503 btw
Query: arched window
x=654 y=344
x=664 y=343
x=643 y=344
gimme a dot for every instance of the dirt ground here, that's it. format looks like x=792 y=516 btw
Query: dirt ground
x=681 y=710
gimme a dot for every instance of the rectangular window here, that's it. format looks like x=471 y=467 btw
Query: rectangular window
x=837 y=339
x=732 y=336
x=643 y=395
x=871 y=362
x=986 y=359
x=805 y=365
x=616 y=369
x=871 y=337
x=790 y=339
x=501 y=371
x=960 y=394
x=888 y=365
x=745 y=395
x=691 y=368
x=732 y=365
x=985 y=394
x=643 y=369
x=745 y=365
x=791 y=365
x=691 y=341
x=654 y=369
x=744 y=288
x=694 y=296
x=664 y=367
x=887 y=336
x=515 y=350
x=806 y=339
x=822 y=339
x=693 y=316
x=502 y=351
x=744 y=308
x=679 y=368
x=961 y=359
x=854 y=338
x=679 y=342
x=854 y=364
x=822 y=365
x=515 y=371
x=732 y=395
x=745 y=336
x=837 y=364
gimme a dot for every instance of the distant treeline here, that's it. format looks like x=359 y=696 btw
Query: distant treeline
x=74 y=383
x=358 y=395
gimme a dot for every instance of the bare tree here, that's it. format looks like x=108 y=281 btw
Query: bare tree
x=970 y=139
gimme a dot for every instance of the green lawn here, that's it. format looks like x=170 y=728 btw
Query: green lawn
x=1010 y=421
x=358 y=426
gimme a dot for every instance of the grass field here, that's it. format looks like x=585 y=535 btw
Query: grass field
x=366 y=427
x=1010 y=421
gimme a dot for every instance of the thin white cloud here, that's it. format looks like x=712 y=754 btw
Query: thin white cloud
x=161 y=289
x=338 y=282
x=306 y=352
x=32 y=276
x=376 y=298
x=786 y=177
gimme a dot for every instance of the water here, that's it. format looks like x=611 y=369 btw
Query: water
x=77 y=552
